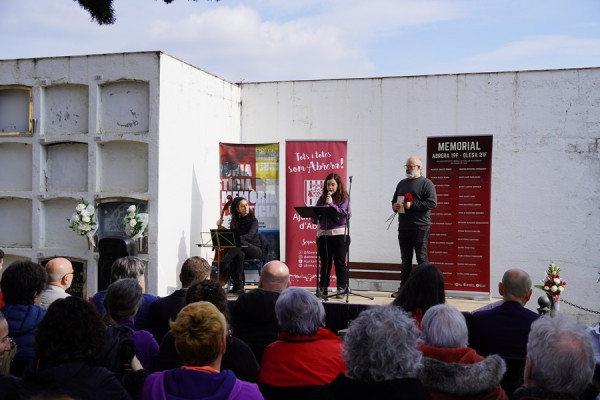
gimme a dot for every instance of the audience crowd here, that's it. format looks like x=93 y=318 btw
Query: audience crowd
x=272 y=342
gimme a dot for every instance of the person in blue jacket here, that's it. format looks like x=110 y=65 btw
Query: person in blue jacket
x=22 y=285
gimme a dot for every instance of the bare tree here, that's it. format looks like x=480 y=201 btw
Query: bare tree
x=102 y=11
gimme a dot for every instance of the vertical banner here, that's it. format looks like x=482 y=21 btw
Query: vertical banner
x=459 y=243
x=252 y=171
x=307 y=165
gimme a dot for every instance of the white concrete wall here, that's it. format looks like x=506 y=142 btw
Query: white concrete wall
x=159 y=144
x=74 y=79
x=546 y=161
x=197 y=111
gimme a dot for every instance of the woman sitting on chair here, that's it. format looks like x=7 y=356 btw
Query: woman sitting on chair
x=243 y=221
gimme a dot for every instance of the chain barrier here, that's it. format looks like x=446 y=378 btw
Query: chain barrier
x=579 y=307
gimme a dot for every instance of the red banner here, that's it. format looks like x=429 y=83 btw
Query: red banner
x=307 y=165
x=459 y=243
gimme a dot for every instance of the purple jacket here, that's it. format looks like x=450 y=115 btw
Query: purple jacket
x=146 y=347
x=342 y=209
x=182 y=383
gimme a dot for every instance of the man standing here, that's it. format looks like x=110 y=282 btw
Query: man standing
x=60 y=276
x=417 y=199
x=166 y=308
x=253 y=313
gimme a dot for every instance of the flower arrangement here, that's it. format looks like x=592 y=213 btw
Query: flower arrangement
x=552 y=284
x=135 y=222
x=84 y=220
x=408 y=198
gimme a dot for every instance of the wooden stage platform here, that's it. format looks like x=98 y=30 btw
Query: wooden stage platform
x=381 y=298
x=339 y=313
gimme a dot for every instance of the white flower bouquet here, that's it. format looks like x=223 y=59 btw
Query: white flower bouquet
x=552 y=284
x=135 y=222
x=84 y=220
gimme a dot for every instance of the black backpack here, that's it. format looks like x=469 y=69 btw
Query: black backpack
x=118 y=349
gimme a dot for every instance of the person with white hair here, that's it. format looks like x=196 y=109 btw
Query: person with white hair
x=560 y=360
x=382 y=358
x=306 y=353
x=451 y=369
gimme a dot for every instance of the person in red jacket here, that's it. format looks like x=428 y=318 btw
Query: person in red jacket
x=451 y=369
x=306 y=353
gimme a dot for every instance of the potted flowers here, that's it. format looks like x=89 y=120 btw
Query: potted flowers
x=135 y=222
x=84 y=221
x=552 y=284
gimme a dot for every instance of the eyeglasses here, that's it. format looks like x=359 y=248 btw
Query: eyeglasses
x=68 y=273
x=7 y=341
x=410 y=166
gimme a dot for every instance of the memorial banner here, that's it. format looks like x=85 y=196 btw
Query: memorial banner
x=459 y=244
x=307 y=165
x=252 y=171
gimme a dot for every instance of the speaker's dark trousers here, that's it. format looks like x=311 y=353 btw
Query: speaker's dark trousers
x=333 y=247
x=413 y=240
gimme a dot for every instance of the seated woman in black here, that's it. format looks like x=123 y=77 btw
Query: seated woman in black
x=244 y=221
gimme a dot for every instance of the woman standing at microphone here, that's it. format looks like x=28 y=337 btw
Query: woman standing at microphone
x=332 y=236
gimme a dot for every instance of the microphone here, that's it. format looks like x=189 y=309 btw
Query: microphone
x=351 y=179
x=329 y=194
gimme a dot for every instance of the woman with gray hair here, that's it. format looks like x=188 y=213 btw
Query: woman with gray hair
x=122 y=300
x=306 y=353
x=382 y=358
x=452 y=370
x=123 y=268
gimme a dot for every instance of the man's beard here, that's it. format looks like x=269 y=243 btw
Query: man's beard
x=411 y=175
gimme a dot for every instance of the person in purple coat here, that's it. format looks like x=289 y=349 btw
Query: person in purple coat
x=333 y=239
x=200 y=334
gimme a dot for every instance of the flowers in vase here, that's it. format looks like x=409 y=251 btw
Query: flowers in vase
x=552 y=284
x=135 y=222
x=84 y=220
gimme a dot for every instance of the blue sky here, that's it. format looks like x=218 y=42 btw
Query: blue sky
x=271 y=40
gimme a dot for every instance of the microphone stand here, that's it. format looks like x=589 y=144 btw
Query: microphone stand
x=347 y=291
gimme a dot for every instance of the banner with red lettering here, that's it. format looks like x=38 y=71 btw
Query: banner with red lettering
x=307 y=165
x=252 y=171
x=459 y=243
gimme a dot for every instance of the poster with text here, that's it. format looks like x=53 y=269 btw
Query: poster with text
x=252 y=171
x=459 y=243
x=307 y=165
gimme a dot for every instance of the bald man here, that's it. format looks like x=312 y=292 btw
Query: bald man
x=60 y=276
x=275 y=275
x=253 y=313
x=504 y=329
